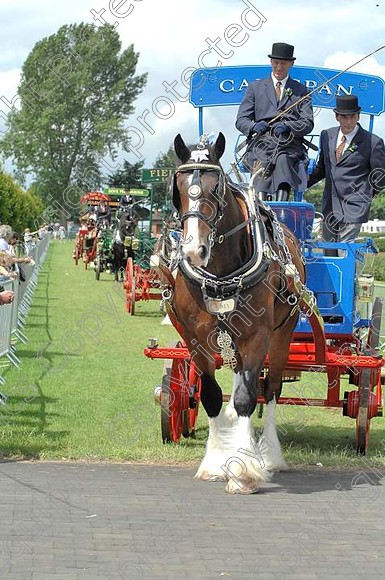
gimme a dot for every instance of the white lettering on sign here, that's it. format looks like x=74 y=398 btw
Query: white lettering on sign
x=226 y=86
x=159 y=172
x=229 y=86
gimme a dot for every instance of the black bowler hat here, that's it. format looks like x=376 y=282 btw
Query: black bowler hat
x=347 y=105
x=282 y=51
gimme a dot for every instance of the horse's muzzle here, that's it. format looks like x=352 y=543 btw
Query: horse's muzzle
x=198 y=256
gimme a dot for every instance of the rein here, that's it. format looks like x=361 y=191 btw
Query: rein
x=222 y=237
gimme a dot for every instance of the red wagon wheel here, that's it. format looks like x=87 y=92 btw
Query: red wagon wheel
x=130 y=285
x=362 y=398
x=76 y=254
x=98 y=267
x=180 y=396
x=194 y=397
x=366 y=398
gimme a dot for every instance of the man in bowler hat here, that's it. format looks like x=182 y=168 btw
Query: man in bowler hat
x=125 y=202
x=277 y=148
x=352 y=161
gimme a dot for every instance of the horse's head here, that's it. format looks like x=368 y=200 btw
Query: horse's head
x=127 y=223
x=198 y=196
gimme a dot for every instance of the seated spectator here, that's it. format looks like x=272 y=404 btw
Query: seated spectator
x=29 y=240
x=5 y=237
x=103 y=213
x=5 y=267
x=92 y=230
x=7 y=242
x=6 y=297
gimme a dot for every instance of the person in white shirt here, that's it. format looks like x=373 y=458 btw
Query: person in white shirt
x=352 y=162
x=276 y=147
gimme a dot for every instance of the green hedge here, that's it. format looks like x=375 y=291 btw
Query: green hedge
x=379 y=267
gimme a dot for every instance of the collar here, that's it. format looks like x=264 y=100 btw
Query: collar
x=349 y=136
x=283 y=82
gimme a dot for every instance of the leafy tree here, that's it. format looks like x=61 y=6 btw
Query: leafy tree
x=161 y=196
x=18 y=208
x=76 y=90
x=129 y=176
x=377 y=210
x=314 y=196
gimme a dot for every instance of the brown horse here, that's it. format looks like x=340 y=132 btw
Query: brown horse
x=234 y=297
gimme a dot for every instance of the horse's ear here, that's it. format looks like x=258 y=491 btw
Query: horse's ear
x=219 y=146
x=181 y=150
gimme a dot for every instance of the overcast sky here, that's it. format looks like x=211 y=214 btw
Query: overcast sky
x=171 y=35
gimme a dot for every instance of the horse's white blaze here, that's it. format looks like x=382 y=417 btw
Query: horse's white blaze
x=268 y=443
x=192 y=240
x=232 y=454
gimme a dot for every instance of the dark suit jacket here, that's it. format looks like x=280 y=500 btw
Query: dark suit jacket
x=351 y=183
x=259 y=104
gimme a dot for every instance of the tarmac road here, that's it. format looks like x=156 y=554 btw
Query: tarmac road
x=67 y=521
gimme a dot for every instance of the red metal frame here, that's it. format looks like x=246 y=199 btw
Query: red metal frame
x=138 y=283
x=314 y=354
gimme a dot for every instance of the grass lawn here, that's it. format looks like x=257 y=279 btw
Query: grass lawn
x=85 y=389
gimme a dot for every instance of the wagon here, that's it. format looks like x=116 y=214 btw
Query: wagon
x=85 y=248
x=339 y=327
x=141 y=282
x=104 y=254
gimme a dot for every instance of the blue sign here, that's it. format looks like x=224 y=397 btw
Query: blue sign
x=226 y=85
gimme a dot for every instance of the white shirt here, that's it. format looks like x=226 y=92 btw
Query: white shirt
x=349 y=137
x=4 y=246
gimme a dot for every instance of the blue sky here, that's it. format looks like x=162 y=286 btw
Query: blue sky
x=171 y=35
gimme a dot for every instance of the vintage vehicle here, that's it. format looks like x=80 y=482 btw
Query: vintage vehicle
x=339 y=318
x=141 y=282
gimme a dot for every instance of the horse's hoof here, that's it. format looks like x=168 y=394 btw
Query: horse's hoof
x=236 y=486
x=281 y=466
x=205 y=476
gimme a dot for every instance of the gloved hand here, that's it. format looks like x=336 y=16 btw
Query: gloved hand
x=260 y=128
x=281 y=129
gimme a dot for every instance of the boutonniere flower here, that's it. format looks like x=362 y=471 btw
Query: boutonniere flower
x=352 y=148
x=287 y=92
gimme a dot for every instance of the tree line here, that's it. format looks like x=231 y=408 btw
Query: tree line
x=76 y=92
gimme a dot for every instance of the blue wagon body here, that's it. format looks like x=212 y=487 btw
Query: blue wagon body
x=332 y=279
x=343 y=337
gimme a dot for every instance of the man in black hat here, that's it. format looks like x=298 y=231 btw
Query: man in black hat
x=126 y=203
x=276 y=147
x=352 y=161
